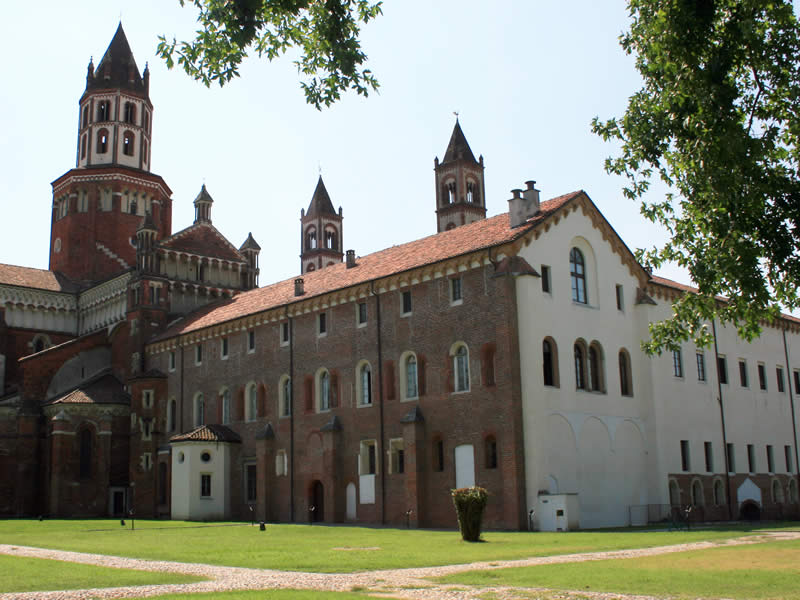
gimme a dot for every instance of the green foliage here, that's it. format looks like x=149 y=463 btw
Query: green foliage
x=22 y=574
x=470 y=503
x=325 y=31
x=717 y=121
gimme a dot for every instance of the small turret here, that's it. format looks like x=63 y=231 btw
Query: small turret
x=320 y=232
x=202 y=206
x=250 y=249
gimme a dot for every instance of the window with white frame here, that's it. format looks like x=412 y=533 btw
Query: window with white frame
x=460 y=355
x=171 y=361
x=364 y=384
x=361 y=314
x=147 y=398
x=323 y=390
x=677 y=363
x=577 y=274
x=405 y=301
x=396 y=456
x=198 y=354
x=409 y=377
x=284 y=333
x=322 y=324
x=456 y=296
x=368 y=458
x=281 y=463
x=223 y=348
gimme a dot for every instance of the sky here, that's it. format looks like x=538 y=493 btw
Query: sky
x=526 y=78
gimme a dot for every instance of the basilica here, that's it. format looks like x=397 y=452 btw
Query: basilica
x=148 y=372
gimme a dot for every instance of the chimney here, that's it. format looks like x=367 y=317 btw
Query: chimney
x=298 y=287
x=523 y=205
x=351 y=259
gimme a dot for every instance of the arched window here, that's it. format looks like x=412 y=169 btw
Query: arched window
x=550 y=362
x=311 y=238
x=40 y=342
x=577 y=275
x=144 y=149
x=719 y=493
x=85 y=117
x=127 y=143
x=579 y=351
x=251 y=410
x=470 y=192
x=410 y=376
x=490 y=450
x=103 y=110
x=199 y=410
x=102 y=141
x=172 y=409
x=226 y=405
x=450 y=193
x=285 y=396
x=130 y=112
x=84 y=139
x=625 y=381
x=777 y=492
x=364 y=384
x=697 y=493
x=596 y=370
x=674 y=493
x=460 y=368
x=330 y=239
x=85 y=460
x=310 y=268
x=450 y=226
x=323 y=390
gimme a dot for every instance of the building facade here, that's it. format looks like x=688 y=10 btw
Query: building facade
x=147 y=371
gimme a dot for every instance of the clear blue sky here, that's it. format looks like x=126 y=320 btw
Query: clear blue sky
x=526 y=77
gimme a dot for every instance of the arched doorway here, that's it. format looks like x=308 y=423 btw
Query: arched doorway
x=750 y=511
x=317 y=500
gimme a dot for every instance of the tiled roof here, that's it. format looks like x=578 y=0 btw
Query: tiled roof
x=34 y=278
x=458 y=148
x=104 y=389
x=208 y=433
x=320 y=201
x=397 y=259
x=118 y=58
x=202 y=239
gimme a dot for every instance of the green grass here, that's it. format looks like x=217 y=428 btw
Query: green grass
x=758 y=572
x=22 y=574
x=266 y=595
x=325 y=549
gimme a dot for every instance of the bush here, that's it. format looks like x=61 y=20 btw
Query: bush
x=470 y=503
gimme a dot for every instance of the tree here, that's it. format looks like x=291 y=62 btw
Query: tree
x=717 y=120
x=325 y=31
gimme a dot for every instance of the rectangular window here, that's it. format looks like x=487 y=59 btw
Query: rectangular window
x=284 y=333
x=731 y=458
x=620 y=299
x=396 y=456
x=438 y=459
x=223 y=350
x=787 y=455
x=546 y=279
x=751 y=458
x=722 y=367
x=361 y=313
x=155 y=295
x=701 y=366
x=251 y=340
x=198 y=354
x=796 y=374
x=685 y=462
x=251 y=489
x=205 y=485
x=709 y=452
x=455 y=291
x=762 y=376
x=147 y=399
x=677 y=363
x=322 y=323
x=779 y=379
x=743 y=373
x=770 y=459
x=407 y=302
x=172 y=361
x=367 y=458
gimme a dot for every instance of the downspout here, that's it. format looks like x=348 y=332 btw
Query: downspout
x=291 y=416
x=180 y=411
x=722 y=421
x=380 y=401
x=791 y=401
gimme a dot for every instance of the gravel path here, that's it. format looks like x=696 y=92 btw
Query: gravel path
x=398 y=583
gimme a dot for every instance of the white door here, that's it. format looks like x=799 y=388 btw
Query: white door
x=351 y=501
x=465 y=466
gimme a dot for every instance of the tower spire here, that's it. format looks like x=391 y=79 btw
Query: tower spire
x=321 y=232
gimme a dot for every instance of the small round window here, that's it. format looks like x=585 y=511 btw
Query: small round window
x=205 y=457
x=180 y=457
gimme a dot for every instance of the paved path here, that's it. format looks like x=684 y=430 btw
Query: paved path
x=410 y=584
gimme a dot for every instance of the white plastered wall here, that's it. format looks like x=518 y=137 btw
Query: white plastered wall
x=187 y=468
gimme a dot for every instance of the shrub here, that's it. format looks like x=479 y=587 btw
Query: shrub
x=470 y=503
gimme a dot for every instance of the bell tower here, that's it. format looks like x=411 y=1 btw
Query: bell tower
x=99 y=205
x=320 y=232
x=460 y=190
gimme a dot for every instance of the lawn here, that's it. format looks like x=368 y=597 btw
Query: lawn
x=20 y=574
x=325 y=549
x=759 y=572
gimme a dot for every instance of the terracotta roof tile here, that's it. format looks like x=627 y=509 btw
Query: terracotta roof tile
x=34 y=278
x=208 y=433
x=203 y=239
x=397 y=259
x=105 y=389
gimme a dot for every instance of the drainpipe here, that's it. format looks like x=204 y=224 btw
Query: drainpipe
x=380 y=402
x=291 y=416
x=791 y=402
x=722 y=422
x=180 y=410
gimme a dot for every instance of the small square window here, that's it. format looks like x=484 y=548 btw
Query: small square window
x=198 y=354
x=407 y=302
x=546 y=279
x=251 y=340
x=455 y=291
x=620 y=298
x=285 y=333
x=361 y=314
x=223 y=350
x=322 y=324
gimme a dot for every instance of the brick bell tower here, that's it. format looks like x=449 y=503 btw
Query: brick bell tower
x=99 y=205
x=460 y=191
x=320 y=232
